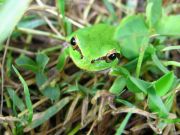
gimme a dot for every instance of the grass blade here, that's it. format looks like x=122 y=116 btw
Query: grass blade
x=123 y=124
x=16 y=99
x=44 y=116
x=27 y=95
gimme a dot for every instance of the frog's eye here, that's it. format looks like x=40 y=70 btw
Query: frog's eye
x=112 y=56
x=73 y=41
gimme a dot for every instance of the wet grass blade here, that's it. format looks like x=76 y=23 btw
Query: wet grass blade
x=27 y=95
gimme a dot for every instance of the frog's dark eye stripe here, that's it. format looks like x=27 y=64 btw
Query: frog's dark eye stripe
x=110 y=56
x=75 y=46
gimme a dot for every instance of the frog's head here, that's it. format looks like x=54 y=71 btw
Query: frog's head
x=93 y=48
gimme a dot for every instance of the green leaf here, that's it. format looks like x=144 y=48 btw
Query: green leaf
x=158 y=63
x=136 y=85
x=168 y=25
x=153 y=12
x=42 y=60
x=169 y=101
x=16 y=99
x=164 y=84
x=62 y=59
x=44 y=116
x=11 y=12
x=41 y=78
x=119 y=71
x=131 y=33
x=176 y=120
x=51 y=92
x=118 y=85
x=27 y=63
x=155 y=103
x=27 y=95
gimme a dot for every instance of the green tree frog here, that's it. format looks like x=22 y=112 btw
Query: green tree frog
x=94 y=49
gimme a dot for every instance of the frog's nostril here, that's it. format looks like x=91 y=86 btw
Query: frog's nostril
x=81 y=55
x=92 y=61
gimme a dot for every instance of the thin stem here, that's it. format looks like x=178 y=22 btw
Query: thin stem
x=2 y=73
x=171 y=48
x=42 y=33
x=173 y=63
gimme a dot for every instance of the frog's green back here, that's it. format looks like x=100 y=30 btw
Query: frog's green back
x=94 y=42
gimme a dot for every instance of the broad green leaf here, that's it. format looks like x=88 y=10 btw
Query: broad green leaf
x=153 y=12
x=131 y=33
x=16 y=99
x=27 y=63
x=62 y=59
x=155 y=103
x=11 y=12
x=118 y=85
x=27 y=95
x=51 y=92
x=1 y=1
x=41 y=78
x=47 y=114
x=169 y=25
x=164 y=84
x=42 y=60
x=136 y=85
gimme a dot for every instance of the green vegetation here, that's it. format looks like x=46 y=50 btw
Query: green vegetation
x=44 y=91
